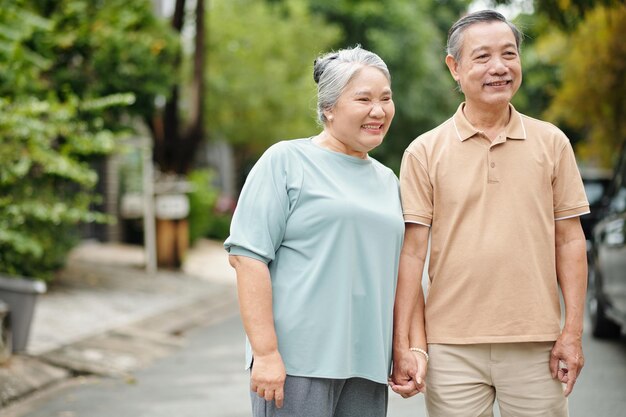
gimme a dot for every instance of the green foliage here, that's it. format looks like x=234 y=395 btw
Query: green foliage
x=259 y=78
x=591 y=96
x=45 y=181
x=202 y=201
x=205 y=220
x=51 y=131
x=100 y=48
x=566 y=14
x=20 y=65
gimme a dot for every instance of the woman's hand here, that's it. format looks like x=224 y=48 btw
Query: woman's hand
x=268 y=377
x=409 y=373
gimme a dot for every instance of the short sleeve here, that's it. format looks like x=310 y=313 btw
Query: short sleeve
x=267 y=197
x=416 y=190
x=569 y=198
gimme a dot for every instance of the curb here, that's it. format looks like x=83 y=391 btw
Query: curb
x=119 y=351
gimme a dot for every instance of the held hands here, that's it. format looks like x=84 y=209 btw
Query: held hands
x=408 y=376
x=567 y=360
x=268 y=377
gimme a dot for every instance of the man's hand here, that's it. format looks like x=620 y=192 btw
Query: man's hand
x=567 y=360
x=409 y=373
x=268 y=377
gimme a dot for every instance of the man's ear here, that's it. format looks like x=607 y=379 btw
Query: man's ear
x=452 y=66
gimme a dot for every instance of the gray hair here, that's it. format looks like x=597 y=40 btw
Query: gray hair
x=334 y=70
x=455 y=34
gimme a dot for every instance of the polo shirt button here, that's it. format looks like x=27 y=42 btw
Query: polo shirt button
x=493 y=164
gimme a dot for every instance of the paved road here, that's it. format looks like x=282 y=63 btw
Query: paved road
x=205 y=378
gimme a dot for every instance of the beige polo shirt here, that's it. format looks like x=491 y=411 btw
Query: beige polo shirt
x=492 y=209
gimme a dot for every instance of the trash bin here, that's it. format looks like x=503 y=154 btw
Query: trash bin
x=20 y=294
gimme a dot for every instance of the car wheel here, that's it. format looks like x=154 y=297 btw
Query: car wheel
x=602 y=327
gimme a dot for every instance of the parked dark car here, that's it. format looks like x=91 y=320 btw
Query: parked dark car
x=596 y=182
x=606 y=299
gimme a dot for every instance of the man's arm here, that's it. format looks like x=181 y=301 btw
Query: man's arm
x=254 y=290
x=409 y=369
x=571 y=269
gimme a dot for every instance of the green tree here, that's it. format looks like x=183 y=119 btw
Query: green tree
x=259 y=78
x=98 y=48
x=591 y=96
x=566 y=14
x=45 y=179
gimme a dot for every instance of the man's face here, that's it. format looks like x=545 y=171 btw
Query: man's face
x=489 y=71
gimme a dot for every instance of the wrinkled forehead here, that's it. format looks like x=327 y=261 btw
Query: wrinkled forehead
x=487 y=35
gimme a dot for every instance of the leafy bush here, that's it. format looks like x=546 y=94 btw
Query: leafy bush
x=206 y=216
x=52 y=127
x=45 y=179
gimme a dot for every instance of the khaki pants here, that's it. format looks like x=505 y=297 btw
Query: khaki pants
x=464 y=380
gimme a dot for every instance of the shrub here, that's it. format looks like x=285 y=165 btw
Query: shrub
x=46 y=182
x=207 y=218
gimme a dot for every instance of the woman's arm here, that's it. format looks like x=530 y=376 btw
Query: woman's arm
x=409 y=369
x=255 y=304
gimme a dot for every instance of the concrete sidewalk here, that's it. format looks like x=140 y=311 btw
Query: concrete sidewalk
x=105 y=315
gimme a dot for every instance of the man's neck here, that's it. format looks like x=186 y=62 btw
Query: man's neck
x=492 y=119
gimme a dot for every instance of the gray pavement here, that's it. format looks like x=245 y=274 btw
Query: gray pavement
x=104 y=315
x=110 y=340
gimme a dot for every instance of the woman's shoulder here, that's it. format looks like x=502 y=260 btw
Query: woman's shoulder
x=383 y=169
x=285 y=148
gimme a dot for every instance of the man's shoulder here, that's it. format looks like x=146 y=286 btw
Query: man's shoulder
x=540 y=128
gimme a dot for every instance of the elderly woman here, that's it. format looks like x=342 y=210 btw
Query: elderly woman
x=315 y=241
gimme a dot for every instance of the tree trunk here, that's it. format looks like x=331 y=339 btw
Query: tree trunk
x=175 y=145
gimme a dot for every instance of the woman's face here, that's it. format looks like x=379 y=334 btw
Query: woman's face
x=362 y=115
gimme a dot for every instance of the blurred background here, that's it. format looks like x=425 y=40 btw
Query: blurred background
x=91 y=92
x=127 y=129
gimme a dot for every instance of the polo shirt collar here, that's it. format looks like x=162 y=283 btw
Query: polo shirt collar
x=514 y=129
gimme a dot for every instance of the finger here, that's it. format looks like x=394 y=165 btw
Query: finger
x=420 y=384
x=403 y=390
x=569 y=386
x=269 y=395
x=554 y=365
x=279 y=397
x=260 y=392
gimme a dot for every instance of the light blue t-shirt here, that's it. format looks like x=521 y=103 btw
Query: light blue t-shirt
x=330 y=228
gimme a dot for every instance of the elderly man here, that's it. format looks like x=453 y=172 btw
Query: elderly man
x=500 y=195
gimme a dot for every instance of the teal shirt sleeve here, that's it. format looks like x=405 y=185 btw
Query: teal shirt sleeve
x=267 y=198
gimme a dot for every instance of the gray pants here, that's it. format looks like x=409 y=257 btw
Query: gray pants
x=322 y=397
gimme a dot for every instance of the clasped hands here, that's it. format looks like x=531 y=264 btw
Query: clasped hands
x=408 y=376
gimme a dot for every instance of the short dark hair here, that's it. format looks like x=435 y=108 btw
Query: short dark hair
x=455 y=34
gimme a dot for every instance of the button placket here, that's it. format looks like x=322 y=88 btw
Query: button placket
x=492 y=167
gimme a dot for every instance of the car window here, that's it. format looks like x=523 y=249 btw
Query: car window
x=618 y=203
x=594 y=191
